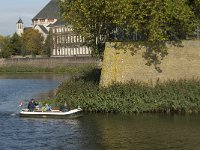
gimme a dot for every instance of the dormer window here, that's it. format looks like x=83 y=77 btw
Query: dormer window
x=42 y=20
x=36 y=20
x=50 y=20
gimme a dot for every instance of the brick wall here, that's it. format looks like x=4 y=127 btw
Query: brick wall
x=180 y=63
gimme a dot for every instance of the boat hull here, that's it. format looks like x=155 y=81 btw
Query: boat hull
x=51 y=114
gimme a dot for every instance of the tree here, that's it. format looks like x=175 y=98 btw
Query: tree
x=16 y=44
x=195 y=5
x=88 y=21
x=5 y=49
x=1 y=42
x=158 y=22
x=33 y=42
x=47 y=46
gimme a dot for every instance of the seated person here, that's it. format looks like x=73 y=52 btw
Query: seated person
x=46 y=108
x=31 y=105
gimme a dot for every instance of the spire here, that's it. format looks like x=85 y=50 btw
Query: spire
x=20 y=27
x=20 y=21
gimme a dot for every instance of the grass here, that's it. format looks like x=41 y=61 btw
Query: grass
x=70 y=69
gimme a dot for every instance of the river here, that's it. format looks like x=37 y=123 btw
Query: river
x=91 y=131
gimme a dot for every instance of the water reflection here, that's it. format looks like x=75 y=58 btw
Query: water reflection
x=147 y=131
x=102 y=131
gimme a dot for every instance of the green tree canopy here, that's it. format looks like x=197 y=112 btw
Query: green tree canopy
x=158 y=22
x=5 y=49
x=16 y=44
x=47 y=46
x=33 y=42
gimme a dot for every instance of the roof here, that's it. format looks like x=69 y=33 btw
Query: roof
x=43 y=29
x=59 y=22
x=27 y=28
x=20 y=21
x=50 y=11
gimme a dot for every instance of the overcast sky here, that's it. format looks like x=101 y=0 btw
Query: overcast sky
x=12 y=10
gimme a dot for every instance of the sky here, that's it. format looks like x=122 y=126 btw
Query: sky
x=12 y=10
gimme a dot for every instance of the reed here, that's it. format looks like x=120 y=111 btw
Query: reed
x=181 y=96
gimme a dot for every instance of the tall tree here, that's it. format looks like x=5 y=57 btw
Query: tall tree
x=158 y=22
x=33 y=42
x=47 y=46
x=16 y=44
x=88 y=20
x=5 y=49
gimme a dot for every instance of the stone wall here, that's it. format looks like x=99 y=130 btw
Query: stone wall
x=180 y=63
x=49 y=62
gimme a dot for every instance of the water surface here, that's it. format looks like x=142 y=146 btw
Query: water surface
x=90 y=132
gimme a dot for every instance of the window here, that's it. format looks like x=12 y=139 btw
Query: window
x=71 y=51
x=74 y=49
x=72 y=39
x=68 y=51
x=80 y=39
x=81 y=51
x=68 y=39
x=75 y=39
x=50 y=20
x=83 y=48
x=42 y=20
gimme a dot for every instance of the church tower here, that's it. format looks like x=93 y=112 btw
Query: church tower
x=20 y=27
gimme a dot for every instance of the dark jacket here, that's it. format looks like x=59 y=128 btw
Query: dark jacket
x=31 y=106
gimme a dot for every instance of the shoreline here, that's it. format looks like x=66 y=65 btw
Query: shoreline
x=182 y=96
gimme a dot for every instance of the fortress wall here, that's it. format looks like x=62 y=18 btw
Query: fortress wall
x=180 y=63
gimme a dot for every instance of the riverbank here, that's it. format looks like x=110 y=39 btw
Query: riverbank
x=182 y=96
x=70 y=65
x=69 y=69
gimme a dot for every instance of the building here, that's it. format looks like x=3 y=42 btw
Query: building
x=65 y=42
x=48 y=15
x=20 y=27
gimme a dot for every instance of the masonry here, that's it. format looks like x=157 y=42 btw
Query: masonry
x=180 y=63
x=49 y=62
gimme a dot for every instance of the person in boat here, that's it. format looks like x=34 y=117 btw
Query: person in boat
x=46 y=108
x=31 y=105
